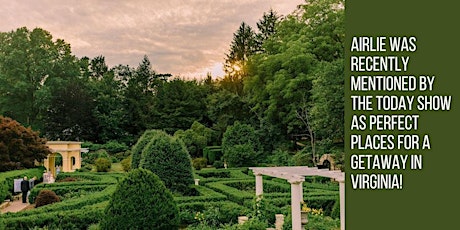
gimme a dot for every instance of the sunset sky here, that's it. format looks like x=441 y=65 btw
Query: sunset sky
x=186 y=38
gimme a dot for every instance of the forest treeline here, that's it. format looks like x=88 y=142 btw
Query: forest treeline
x=283 y=78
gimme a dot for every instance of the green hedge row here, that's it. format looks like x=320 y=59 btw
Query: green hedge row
x=211 y=175
x=232 y=193
x=7 y=179
x=205 y=195
x=80 y=218
x=325 y=202
x=109 y=178
x=67 y=191
x=68 y=205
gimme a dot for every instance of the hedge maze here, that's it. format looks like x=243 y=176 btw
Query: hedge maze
x=221 y=196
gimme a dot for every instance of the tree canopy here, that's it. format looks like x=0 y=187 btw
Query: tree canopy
x=20 y=147
x=283 y=77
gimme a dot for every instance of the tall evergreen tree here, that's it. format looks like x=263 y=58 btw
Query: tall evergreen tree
x=141 y=87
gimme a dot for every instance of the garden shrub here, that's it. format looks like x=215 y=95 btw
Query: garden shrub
x=113 y=147
x=199 y=163
x=123 y=155
x=141 y=201
x=212 y=153
x=103 y=164
x=136 y=153
x=254 y=224
x=126 y=164
x=2 y=224
x=168 y=158
x=46 y=197
x=218 y=164
x=195 y=138
x=241 y=156
x=303 y=157
x=240 y=145
x=335 y=213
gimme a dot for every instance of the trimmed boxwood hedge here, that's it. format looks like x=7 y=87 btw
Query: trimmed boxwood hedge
x=205 y=195
x=218 y=197
x=7 y=179
x=141 y=201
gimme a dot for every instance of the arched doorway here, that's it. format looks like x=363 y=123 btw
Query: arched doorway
x=65 y=154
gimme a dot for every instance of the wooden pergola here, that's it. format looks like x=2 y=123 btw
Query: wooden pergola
x=296 y=176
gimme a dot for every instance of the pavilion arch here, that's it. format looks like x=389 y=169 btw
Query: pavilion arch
x=296 y=176
x=327 y=161
x=70 y=152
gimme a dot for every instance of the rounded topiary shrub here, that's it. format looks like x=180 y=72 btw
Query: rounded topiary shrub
x=199 y=163
x=141 y=201
x=126 y=164
x=103 y=164
x=168 y=158
x=46 y=197
x=136 y=154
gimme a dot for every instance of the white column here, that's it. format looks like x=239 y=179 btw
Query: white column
x=301 y=191
x=295 y=204
x=342 y=204
x=259 y=185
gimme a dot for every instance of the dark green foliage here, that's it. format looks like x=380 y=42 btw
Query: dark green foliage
x=138 y=95
x=241 y=156
x=141 y=201
x=136 y=154
x=113 y=147
x=240 y=145
x=46 y=197
x=69 y=114
x=335 y=212
x=212 y=153
x=103 y=164
x=218 y=164
x=30 y=62
x=303 y=157
x=178 y=103
x=195 y=138
x=199 y=163
x=280 y=158
x=168 y=158
x=91 y=157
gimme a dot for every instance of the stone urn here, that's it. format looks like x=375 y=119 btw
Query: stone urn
x=304 y=217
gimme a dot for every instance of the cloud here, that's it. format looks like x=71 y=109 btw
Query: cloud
x=180 y=37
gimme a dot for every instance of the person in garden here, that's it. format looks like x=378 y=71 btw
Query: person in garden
x=24 y=189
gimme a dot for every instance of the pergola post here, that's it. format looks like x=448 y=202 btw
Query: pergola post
x=295 y=175
x=342 y=204
x=301 y=191
x=259 y=185
x=296 y=193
